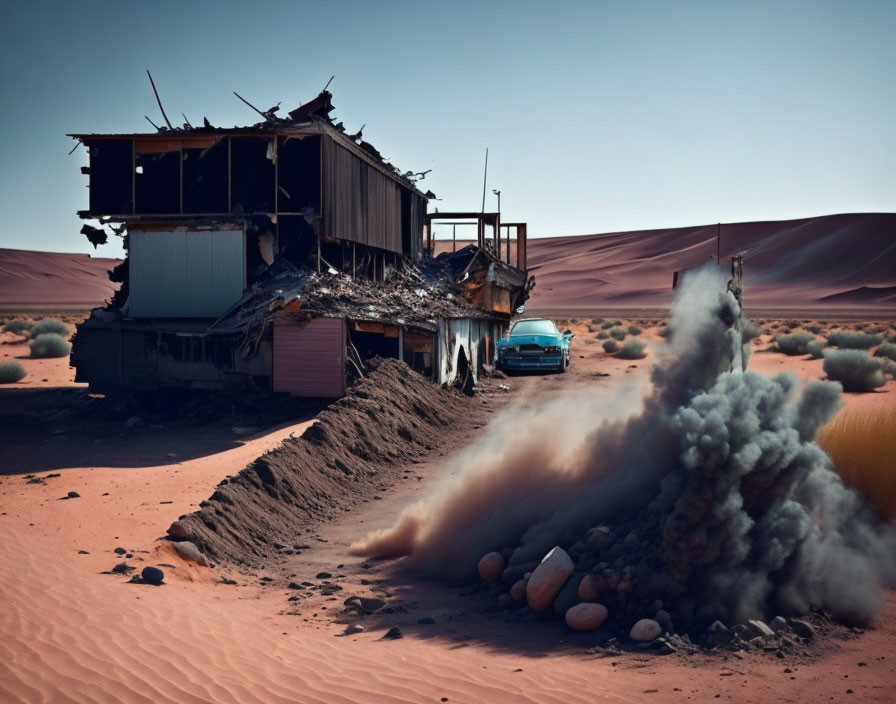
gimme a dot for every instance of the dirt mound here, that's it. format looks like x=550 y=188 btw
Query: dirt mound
x=356 y=448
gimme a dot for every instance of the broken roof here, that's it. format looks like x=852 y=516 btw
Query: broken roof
x=312 y=117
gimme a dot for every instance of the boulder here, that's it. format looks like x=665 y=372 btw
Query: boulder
x=591 y=587
x=491 y=566
x=586 y=617
x=665 y=620
x=189 y=551
x=758 y=629
x=645 y=630
x=152 y=575
x=518 y=591
x=178 y=530
x=717 y=635
x=548 y=579
x=802 y=629
x=568 y=596
x=778 y=624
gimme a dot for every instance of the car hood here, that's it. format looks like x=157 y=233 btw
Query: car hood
x=541 y=340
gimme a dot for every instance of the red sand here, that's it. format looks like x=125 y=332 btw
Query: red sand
x=30 y=280
x=70 y=634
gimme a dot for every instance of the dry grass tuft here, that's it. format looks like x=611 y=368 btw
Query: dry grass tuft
x=860 y=443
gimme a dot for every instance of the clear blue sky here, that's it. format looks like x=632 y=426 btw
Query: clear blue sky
x=599 y=116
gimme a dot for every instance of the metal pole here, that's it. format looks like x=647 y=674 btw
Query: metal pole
x=454 y=238
x=484 y=179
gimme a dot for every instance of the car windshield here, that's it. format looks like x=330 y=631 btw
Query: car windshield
x=534 y=327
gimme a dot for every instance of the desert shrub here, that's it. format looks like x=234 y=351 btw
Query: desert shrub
x=589 y=341
x=617 y=334
x=634 y=330
x=597 y=321
x=854 y=369
x=50 y=325
x=611 y=346
x=603 y=335
x=633 y=349
x=816 y=349
x=796 y=343
x=814 y=329
x=874 y=330
x=11 y=372
x=18 y=326
x=854 y=340
x=607 y=324
x=50 y=345
x=887 y=350
x=856 y=441
x=590 y=328
x=617 y=322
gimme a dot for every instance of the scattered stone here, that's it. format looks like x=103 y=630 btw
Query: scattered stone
x=83 y=552
x=586 y=616
x=758 y=629
x=645 y=630
x=189 y=551
x=119 y=551
x=152 y=575
x=778 y=624
x=518 y=591
x=70 y=495
x=491 y=566
x=323 y=575
x=122 y=568
x=365 y=604
x=717 y=635
x=802 y=629
x=548 y=579
x=393 y=633
x=178 y=530
x=591 y=587
x=353 y=628
x=665 y=620
x=225 y=580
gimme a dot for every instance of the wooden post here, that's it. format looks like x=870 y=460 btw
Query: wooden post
x=400 y=344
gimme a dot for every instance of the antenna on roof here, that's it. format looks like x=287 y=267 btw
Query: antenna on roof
x=328 y=83
x=187 y=121
x=153 y=84
x=152 y=123
x=264 y=115
x=484 y=179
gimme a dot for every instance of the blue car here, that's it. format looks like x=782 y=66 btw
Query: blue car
x=534 y=343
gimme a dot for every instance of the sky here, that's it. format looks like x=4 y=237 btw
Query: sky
x=598 y=116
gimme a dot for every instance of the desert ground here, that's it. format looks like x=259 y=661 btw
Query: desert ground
x=275 y=628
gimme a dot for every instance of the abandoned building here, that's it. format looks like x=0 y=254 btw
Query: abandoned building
x=281 y=256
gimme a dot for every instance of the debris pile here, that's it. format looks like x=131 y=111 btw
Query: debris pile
x=711 y=508
x=349 y=455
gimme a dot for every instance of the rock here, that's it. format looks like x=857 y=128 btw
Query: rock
x=366 y=604
x=717 y=635
x=741 y=631
x=518 y=591
x=122 y=568
x=152 y=575
x=491 y=566
x=586 y=616
x=70 y=495
x=119 y=551
x=645 y=630
x=505 y=601
x=568 y=595
x=802 y=629
x=225 y=580
x=665 y=620
x=353 y=628
x=591 y=587
x=758 y=629
x=189 y=551
x=778 y=624
x=178 y=531
x=323 y=575
x=548 y=579
x=393 y=633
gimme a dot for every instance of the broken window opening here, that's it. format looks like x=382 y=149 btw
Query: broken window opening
x=252 y=175
x=295 y=239
x=298 y=174
x=157 y=187
x=205 y=179
x=111 y=162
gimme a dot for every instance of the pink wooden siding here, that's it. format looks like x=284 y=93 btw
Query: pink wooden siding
x=309 y=357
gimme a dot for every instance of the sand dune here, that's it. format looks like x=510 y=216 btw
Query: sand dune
x=835 y=260
x=50 y=279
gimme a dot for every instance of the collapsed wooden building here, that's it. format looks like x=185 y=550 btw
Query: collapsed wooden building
x=279 y=257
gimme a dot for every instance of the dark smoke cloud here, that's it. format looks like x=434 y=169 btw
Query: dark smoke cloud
x=712 y=497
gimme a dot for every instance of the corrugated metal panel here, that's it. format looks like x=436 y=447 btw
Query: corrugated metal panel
x=309 y=358
x=360 y=204
x=185 y=273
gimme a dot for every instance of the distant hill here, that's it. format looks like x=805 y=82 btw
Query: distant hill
x=31 y=280
x=844 y=261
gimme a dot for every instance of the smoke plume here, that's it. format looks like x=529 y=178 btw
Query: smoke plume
x=705 y=492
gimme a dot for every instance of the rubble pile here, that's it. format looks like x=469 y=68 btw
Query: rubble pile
x=709 y=513
x=353 y=451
